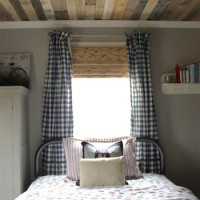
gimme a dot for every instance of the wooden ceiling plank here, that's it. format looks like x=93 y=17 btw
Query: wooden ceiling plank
x=19 y=9
x=80 y=7
x=173 y=9
x=151 y=4
x=48 y=9
x=8 y=7
x=38 y=9
x=72 y=11
x=132 y=5
x=169 y=9
x=108 y=7
x=196 y=17
x=119 y=9
x=29 y=10
x=193 y=13
x=192 y=5
x=130 y=9
x=59 y=5
x=173 y=5
x=139 y=9
x=127 y=15
x=90 y=12
x=99 y=9
x=180 y=8
x=60 y=9
x=4 y=15
x=159 y=10
x=61 y=15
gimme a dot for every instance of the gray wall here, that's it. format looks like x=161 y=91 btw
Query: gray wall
x=199 y=134
x=178 y=115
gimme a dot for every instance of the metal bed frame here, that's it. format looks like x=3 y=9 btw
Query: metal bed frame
x=38 y=161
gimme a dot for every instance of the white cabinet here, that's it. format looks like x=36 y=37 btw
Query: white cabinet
x=168 y=86
x=13 y=141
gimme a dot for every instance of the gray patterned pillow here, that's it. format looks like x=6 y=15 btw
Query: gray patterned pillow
x=100 y=151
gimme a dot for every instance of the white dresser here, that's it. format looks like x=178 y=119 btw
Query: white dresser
x=14 y=170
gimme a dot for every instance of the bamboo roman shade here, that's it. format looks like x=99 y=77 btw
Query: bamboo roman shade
x=99 y=62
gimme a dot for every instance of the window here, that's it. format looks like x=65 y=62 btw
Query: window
x=101 y=107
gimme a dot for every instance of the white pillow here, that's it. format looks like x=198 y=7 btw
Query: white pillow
x=102 y=172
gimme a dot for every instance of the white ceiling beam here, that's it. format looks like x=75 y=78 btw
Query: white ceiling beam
x=98 y=24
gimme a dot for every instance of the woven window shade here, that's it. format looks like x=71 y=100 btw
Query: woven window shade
x=99 y=62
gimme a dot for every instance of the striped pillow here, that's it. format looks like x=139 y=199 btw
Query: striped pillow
x=73 y=153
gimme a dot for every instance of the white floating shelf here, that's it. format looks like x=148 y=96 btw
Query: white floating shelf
x=168 y=86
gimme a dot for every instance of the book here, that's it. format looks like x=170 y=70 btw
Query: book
x=178 y=74
x=181 y=78
x=191 y=73
x=183 y=75
x=187 y=75
x=196 y=72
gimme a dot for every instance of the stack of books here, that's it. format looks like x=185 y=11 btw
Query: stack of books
x=190 y=73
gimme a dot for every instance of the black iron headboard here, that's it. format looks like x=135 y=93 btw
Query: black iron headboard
x=39 y=151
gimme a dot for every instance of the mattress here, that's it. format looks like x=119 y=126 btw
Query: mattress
x=152 y=186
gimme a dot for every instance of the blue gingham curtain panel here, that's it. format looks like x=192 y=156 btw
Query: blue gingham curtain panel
x=143 y=117
x=57 y=118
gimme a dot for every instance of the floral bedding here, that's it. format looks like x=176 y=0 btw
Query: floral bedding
x=152 y=186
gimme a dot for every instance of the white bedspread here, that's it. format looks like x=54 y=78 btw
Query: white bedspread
x=151 y=187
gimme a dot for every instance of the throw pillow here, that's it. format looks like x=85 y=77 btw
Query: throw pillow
x=98 y=150
x=102 y=172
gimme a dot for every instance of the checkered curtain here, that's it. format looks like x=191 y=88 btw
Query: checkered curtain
x=57 y=119
x=143 y=117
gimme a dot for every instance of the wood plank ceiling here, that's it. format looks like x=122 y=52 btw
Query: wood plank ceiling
x=157 y=10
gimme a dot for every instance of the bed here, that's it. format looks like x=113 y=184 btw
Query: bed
x=58 y=187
